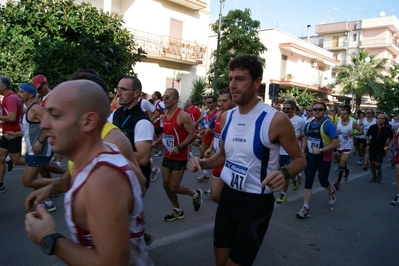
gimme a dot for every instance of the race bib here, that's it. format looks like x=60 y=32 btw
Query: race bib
x=313 y=142
x=238 y=174
x=168 y=142
x=343 y=137
x=216 y=142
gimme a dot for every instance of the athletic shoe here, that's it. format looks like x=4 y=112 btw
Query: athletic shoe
x=203 y=177
x=2 y=189
x=158 y=154
x=337 y=168
x=395 y=201
x=337 y=185
x=282 y=199
x=207 y=192
x=10 y=166
x=154 y=173
x=53 y=160
x=331 y=197
x=148 y=239
x=346 y=174
x=197 y=202
x=365 y=167
x=174 y=215
x=360 y=162
x=50 y=207
x=303 y=213
x=373 y=179
x=295 y=183
x=58 y=163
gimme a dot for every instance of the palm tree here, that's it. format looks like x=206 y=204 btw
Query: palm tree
x=362 y=76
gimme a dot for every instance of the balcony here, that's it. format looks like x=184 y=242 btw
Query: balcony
x=169 y=49
x=391 y=44
x=334 y=45
x=191 y=4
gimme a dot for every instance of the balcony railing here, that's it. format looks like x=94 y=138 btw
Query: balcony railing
x=168 y=48
x=342 y=44
x=380 y=42
x=192 y=4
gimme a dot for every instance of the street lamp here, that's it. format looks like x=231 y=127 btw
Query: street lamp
x=215 y=85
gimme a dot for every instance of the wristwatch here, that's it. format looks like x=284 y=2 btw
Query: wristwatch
x=48 y=243
x=179 y=147
x=321 y=150
x=41 y=141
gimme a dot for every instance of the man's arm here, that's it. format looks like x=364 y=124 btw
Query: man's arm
x=143 y=136
x=107 y=222
x=360 y=130
x=11 y=117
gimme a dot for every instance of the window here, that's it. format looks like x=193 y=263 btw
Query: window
x=354 y=37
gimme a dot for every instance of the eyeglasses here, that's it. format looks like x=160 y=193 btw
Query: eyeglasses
x=208 y=102
x=286 y=108
x=369 y=113
x=318 y=109
x=124 y=89
x=309 y=110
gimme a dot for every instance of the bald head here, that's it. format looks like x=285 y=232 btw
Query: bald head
x=82 y=96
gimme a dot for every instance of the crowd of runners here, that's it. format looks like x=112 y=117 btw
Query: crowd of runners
x=110 y=137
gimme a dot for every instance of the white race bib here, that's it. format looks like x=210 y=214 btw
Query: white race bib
x=238 y=174
x=168 y=142
x=313 y=142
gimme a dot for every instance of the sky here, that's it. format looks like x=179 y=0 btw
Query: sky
x=293 y=16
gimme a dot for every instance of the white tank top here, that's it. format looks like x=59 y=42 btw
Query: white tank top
x=345 y=141
x=138 y=252
x=250 y=156
x=366 y=125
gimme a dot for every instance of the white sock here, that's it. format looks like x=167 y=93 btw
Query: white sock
x=8 y=158
x=306 y=206
x=205 y=172
x=151 y=160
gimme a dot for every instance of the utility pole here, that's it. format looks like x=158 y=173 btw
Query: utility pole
x=215 y=85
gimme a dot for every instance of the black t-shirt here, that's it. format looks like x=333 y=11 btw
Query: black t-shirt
x=378 y=136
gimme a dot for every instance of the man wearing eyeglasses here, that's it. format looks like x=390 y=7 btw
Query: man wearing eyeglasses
x=320 y=139
x=136 y=125
x=298 y=123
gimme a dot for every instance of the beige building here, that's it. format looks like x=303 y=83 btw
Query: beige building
x=380 y=36
x=173 y=33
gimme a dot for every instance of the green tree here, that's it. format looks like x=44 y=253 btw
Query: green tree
x=239 y=35
x=361 y=77
x=388 y=101
x=302 y=98
x=198 y=90
x=56 y=38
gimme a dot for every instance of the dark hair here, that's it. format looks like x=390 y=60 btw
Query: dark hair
x=214 y=98
x=158 y=94
x=225 y=91
x=89 y=71
x=292 y=103
x=136 y=84
x=322 y=103
x=347 y=110
x=6 y=81
x=95 y=78
x=247 y=62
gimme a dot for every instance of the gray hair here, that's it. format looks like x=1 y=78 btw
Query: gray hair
x=290 y=102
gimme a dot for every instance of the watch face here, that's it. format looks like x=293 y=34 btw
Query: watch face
x=46 y=246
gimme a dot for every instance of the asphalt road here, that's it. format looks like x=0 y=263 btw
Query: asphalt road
x=362 y=228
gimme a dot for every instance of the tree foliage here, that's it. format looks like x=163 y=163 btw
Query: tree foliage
x=302 y=98
x=198 y=90
x=239 y=35
x=388 y=101
x=361 y=77
x=56 y=38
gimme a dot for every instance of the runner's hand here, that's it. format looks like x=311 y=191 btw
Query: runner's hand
x=36 y=197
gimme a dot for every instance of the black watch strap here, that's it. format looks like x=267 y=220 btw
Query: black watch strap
x=285 y=172
x=48 y=243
